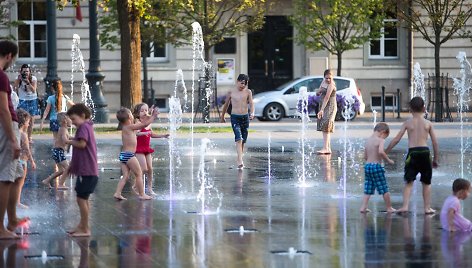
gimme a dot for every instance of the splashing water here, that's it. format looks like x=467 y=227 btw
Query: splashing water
x=268 y=157
x=206 y=184
x=180 y=82
x=175 y=120
x=78 y=65
x=303 y=99
x=374 y=114
x=347 y=110
x=462 y=87
x=198 y=48
x=418 y=82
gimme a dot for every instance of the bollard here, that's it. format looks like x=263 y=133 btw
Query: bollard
x=399 y=103
x=382 y=103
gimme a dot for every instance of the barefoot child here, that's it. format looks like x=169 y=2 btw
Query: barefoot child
x=83 y=164
x=374 y=172
x=451 y=217
x=129 y=162
x=241 y=101
x=143 y=147
x=418 y=159
x=24 y=119
x=58 y=152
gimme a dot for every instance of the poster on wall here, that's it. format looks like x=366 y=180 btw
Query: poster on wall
x=225 y=73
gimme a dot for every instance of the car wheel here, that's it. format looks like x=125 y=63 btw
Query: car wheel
x=274 y=112
x=351 y=115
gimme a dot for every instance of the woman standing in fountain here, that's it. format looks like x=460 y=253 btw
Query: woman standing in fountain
x=327 y=111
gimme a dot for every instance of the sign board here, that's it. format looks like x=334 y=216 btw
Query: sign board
x=225 y=72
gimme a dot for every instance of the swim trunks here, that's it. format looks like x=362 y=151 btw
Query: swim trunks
x=417 y=161
x=375 y=179
x=125 y=156
x=58 y=155
x=240 y=125
x=85 y=185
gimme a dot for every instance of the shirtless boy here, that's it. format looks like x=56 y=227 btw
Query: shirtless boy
x=374 y=172
x=240 y=98
x=58 y=152
x=128 y=160
x=418 y=159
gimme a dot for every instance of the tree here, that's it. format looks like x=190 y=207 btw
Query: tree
x=5 y=20
x=337 y=25
x=217 y=18
x=438 y=21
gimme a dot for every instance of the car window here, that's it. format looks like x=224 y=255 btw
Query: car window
x=341 y=84
x=311 y=84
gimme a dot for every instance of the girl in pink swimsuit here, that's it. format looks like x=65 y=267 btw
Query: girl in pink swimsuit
x=143 y=147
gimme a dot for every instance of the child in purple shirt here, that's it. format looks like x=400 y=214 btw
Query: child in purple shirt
x=83 y=164
x=451 y=218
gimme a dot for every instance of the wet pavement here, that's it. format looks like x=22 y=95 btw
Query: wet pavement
x=323 y=228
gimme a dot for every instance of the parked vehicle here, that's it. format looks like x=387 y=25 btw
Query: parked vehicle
x=283 y=101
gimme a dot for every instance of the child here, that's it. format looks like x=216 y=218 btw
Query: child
x=58 y=152
x=451 y=218
x=83 y=164
x=374 y=172
x=24 y=119
x=418 y=159
x=128 y=160
x=143 y=148
x=56 y=103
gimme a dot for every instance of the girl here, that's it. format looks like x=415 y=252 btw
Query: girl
x=24 y=120
x=451 y=217
x=327 y=111
x=56 y=103
x=143 y=147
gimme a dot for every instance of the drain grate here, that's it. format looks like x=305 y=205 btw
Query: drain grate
x=47 y=258
x=241 y=230
x=291 y=252
x=28 y=233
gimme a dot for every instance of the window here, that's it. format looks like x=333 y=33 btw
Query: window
x=341 y=84
x=32 y=31
x=157 y=53
x=311 y=84
x=386 y=46
x=227 y=46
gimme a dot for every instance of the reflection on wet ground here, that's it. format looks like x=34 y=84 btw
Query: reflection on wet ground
x=161 y=233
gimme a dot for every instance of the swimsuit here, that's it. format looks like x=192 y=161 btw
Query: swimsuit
x=240 y=125
x=375 y=179
x=143 y=145
x=417 y=161
x=125 y=156
x=58 y=155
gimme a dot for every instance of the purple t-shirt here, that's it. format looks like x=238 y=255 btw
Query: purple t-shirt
x=84 y=161
x=5 y=87
x=460 y=222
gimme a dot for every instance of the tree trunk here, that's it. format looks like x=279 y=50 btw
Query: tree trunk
x=437 y=70
x=340 y=60
x=130 y=42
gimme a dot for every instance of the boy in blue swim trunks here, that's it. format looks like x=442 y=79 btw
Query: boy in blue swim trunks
x=129 y=162
x=240 y=99
x=374 y=171
x=418 y=159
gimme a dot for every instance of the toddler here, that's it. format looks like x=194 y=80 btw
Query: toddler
x=24 y=119
x=451 y=217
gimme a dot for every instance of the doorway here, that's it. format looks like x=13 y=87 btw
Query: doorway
x=270 y=54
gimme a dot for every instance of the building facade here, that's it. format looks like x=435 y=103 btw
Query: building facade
x=270 y=56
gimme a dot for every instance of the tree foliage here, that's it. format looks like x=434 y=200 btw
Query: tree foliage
x=217 y=18
x=337 y=25
x=438 y=21
x=5 y=18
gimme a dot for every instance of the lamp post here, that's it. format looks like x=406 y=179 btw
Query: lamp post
x=94 y=76
x=51 y=45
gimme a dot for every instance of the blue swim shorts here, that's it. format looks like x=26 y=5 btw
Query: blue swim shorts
x=375 y=179
x=53 y=125
x=58 y=155
x=240 y=125
x=31 y=106
x=125 y=156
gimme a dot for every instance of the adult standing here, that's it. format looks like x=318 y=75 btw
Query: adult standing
x=327 y=112
x=26 y=85
x=10 y=169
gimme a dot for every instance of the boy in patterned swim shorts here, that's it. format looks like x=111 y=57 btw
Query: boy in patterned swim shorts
x=374 y=172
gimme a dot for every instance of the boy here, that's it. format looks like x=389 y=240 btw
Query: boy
x=451 y=217
x=58 y=152
x=239 y=99
x=374 y=172
x=128 y=160
x=418 y=159
x=83 y=164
